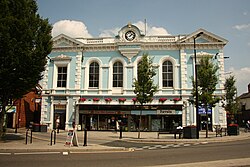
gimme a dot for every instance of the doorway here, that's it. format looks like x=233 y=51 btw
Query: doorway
x=60 y=113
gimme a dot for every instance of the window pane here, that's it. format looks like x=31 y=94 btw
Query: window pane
x=170 y=68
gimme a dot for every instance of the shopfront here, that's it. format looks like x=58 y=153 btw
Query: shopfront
x=107 y=117
x=103 y=120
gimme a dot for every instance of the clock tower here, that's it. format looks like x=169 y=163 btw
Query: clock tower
x=129 y=41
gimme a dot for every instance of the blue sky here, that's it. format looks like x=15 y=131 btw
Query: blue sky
x=229 y=19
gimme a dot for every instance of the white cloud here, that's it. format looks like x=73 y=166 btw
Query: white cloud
x=110 y=32
x=76 y=29
x=242 y=78
x=71 y=28
x=151 y=30
x=242 y=27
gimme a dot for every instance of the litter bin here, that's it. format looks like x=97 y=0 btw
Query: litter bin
x=189 y=132
x=43 y=128
x=233 y=129
x=35 y=127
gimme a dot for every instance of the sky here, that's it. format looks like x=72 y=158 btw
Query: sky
x=229 y=19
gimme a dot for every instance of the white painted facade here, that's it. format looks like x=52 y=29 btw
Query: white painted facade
x=77 y=55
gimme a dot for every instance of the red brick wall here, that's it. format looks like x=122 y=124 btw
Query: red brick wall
x=26 y=108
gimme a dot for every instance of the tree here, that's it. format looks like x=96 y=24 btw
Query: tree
x=144 y=84
x=207 y=80
x=232 y=103
x=25 y=41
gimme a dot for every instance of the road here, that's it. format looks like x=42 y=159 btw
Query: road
x=146 y=157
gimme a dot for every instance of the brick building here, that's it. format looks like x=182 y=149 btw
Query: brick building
x=27 y=109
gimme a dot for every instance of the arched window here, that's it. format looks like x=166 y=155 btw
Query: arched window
x=167 y=74
x=94 y=75
x=118 y=74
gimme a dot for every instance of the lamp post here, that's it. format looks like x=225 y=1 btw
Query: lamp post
x=196 y=89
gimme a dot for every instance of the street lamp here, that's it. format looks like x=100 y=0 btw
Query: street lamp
x=196 y=89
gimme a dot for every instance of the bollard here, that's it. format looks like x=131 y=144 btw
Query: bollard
x=120 y=132
x=30 y=136
x=85 y=137
x=26 y=139
x=53 y=132
x=27 y=135
x=16 y=129
x=54 y=138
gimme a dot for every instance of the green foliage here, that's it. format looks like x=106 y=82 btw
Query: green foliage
x=144 y=84
x=207 y=81
x=232 y=103
x=25 y=41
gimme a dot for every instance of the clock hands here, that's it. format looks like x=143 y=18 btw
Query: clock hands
x=130 y=35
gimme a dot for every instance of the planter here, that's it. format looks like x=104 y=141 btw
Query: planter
x=189 y=132
x=233 y=130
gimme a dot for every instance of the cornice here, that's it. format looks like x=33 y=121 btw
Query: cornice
x=143 y=46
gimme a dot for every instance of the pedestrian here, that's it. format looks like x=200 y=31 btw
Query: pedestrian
x=117 y=126
x=247 y=126
x=58 y=124
x=74 y=124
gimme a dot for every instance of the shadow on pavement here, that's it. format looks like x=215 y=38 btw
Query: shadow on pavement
x=120 y=143
x=9 y=137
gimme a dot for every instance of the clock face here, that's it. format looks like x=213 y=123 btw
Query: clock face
x=130 y=35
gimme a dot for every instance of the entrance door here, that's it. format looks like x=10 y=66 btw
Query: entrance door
x=60 y=113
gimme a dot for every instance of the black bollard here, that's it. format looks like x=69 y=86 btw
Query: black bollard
x=54 y=137
x=120 y=132
x=30 y=136
x=26 y=139
x=16 y=129
x=85 y=137
x=51 y=136
x=53 y=132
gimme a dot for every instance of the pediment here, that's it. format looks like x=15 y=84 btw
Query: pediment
x=65 y=41
x=206 y=37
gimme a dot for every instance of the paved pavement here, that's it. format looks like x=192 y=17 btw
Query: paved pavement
x=41 y=141
x=97 y=142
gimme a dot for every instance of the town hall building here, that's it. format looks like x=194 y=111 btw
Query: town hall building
x=88 y=82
